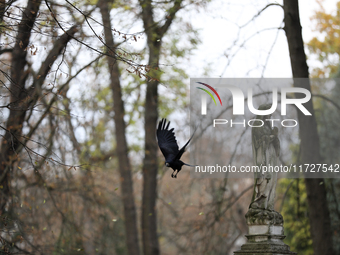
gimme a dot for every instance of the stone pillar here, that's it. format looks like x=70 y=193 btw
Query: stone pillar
x=265 y=234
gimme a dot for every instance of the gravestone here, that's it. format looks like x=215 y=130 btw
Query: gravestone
x=265 y=226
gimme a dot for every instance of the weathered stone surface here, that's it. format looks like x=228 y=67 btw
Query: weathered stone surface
x=266 y=234
x=261 y=253
x=265 y=226
x=264 y=244
x=265 y=229
x=263 y=217
x=266 y=150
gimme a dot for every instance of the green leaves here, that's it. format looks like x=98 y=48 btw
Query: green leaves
x=295 y=214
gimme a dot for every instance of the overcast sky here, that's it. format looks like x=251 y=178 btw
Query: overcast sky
x=219 y=24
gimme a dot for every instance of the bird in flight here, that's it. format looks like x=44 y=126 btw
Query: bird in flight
x=169 y=147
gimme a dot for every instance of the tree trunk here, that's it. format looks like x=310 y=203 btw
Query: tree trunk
x=121 y=147
x=2 y=9
x=11 y=139
x=21 y=97
x=150 y=165
x=154 y=34
x=319 y=216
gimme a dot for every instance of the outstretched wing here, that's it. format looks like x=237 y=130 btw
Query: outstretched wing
x=167 y=140
x=182 y=150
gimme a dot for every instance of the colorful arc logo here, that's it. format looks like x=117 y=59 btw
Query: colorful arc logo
x=204 y=100
x=213 y=90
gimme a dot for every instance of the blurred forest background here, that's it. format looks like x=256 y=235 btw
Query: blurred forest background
x=83 y=84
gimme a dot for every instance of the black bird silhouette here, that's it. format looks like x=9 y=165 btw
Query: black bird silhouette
x=169 y=147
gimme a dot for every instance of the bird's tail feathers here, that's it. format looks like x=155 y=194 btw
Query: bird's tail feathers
x=190 y=138
x=189 y=165
x=193 y=133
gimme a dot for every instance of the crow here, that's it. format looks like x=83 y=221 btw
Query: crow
x=169 y=147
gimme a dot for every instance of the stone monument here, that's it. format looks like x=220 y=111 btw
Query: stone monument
x=265 y=226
